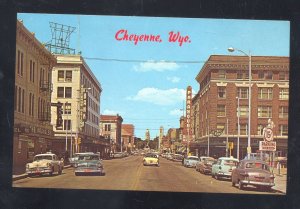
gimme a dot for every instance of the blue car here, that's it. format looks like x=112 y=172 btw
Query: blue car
x=223 y=167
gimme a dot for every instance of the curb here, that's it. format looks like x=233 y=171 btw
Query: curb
x=23 y=176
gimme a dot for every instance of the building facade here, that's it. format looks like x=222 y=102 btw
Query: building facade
x=127 y=137
x=32 y=98
x=224 y=89
x=111 y=129
x=78 y=90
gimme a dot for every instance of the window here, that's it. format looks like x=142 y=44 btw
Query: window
x=67 y=124
x=16 y=96
x=60 y=92
x=67 y=109
x=32 y=70
x=242 y=92
x=269 y=75
x=23 y=101
x=222 y=74
x=261 y=75
x=68 y=75
x=61 y=75
x=242 y=74
x=283 y=130
x=243 y=111
x=107 y=127
x=221 y=111
x=264 y=112
x=260 y=129
x=18 y=61
x=68 y=92
x=19 y=100
x=265 y=93
x=283 y=112
x=243 y=129
x=221 y=127
x=282 y=75
x=222 y=92
x=283 y=93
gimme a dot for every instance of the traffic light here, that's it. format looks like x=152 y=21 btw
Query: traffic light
x=59 y=112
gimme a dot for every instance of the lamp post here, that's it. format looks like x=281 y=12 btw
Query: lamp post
x=238 y=137
x=231 y=49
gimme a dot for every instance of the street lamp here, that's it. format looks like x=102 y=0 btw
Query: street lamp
x=238 y=137
x=231 y=49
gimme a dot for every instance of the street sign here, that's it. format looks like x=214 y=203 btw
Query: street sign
x=268 y=134
x=267 y=146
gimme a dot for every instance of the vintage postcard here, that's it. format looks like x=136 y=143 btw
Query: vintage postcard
x=151 y=104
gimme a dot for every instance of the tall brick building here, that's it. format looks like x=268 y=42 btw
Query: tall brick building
x=222 y=80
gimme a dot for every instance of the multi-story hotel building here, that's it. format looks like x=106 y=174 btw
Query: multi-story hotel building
x=224 y=82
x=78 y=90
x=32 y=128
x=111 y=128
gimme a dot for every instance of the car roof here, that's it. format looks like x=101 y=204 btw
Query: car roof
x=228 y=158
x=45 y=154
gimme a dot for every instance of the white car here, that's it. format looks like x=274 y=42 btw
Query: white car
x=47 y=163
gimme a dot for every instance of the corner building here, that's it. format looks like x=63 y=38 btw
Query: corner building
x=224 y=79
x=32 y=98
x=79 y=91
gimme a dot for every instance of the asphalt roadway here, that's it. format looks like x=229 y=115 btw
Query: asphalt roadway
x=130 y=174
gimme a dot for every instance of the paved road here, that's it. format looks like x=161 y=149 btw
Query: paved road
x=130 y=174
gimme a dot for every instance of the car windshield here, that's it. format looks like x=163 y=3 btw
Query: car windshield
x=230 y=162
x=209 y=161
x=151 y=155
x=42 y=157
x=88 y=157
x=258 y=165
x=193 y=158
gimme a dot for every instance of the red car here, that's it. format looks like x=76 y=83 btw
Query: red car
x=253 y=172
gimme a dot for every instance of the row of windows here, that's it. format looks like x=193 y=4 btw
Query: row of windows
x=32 y=69
x=64 y=76
x=88 y=84
x=282 y=129
x=263 y=93
x=262 y=75
x=262 y=111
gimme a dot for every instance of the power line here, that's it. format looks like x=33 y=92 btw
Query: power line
x=151 y=61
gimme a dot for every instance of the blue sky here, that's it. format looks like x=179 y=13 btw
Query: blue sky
x=147 y=85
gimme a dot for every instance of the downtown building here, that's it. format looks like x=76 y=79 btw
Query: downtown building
x=111 y=129
x=224 y=86
x=77 y=89
x=32 y=98
x=127 y=135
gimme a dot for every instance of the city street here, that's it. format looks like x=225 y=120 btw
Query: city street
x=130 y=174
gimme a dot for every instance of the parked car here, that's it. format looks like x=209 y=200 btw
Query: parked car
x=47 y=163
x=190 y=161
x=223 y=167
x=89 y=164
x=73 y=159
x=177 y=158
x=253 y=172
x=150 y=159
x=205 y=165
x=118 y=155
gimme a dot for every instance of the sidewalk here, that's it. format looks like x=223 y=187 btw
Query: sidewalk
x=24 y=175
x=280 y=180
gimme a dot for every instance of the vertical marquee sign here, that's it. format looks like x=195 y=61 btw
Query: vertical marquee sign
x=188 y=112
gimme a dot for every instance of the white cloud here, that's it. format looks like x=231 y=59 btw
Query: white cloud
x=173 y=79
x=109 y=112
x=176 y=112
x=155 y=66
x=159 y=96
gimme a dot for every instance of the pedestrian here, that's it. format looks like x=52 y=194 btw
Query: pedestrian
x=278 y=167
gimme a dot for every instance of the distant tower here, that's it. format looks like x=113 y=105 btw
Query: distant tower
x=147 y=137
x=161 y=135
x=60 y=41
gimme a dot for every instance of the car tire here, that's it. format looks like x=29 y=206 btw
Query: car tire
x=241 y=185
x=217 y=177
x=52 y=171
x=76 y=174
x=212 y=175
